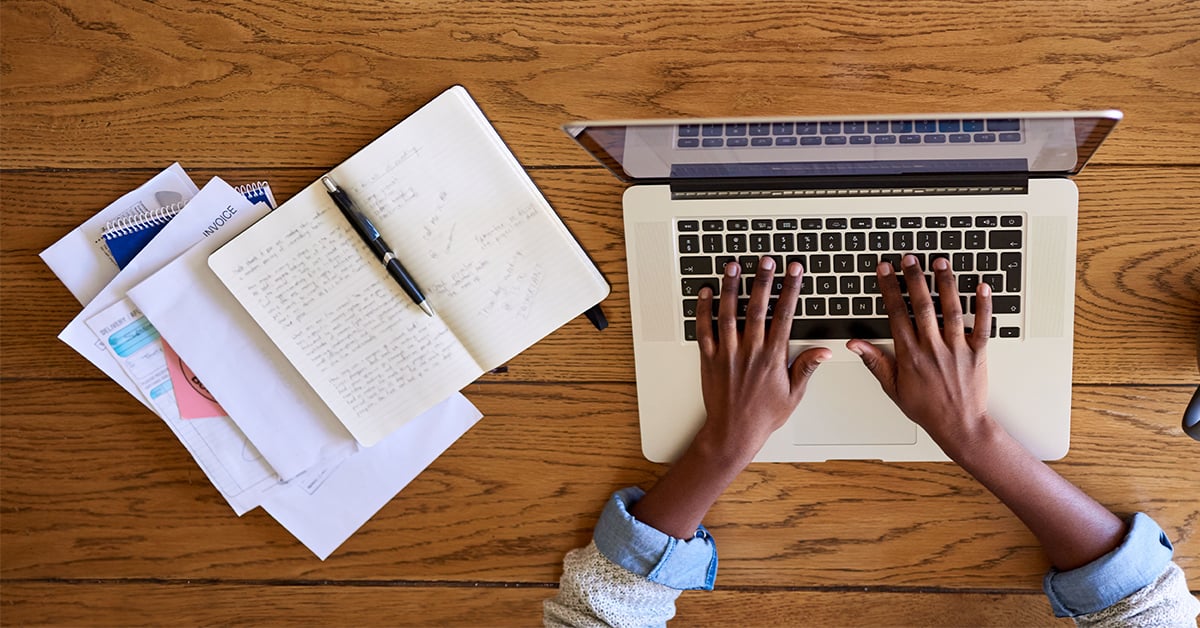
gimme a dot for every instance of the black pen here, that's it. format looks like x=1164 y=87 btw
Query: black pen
x=375 y=242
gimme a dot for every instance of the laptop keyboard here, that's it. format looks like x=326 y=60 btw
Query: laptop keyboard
x=889 y=132
x=840 y=296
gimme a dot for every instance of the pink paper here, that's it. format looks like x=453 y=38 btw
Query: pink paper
x=194 y=400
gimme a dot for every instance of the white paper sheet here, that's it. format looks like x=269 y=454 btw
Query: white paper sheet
x=81 y=260
x=135 y=345
x=252 y=380
x=229 y=461
x=215 y=208
x=323 y=508
x=236 y=469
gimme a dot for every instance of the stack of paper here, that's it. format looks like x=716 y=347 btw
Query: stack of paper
x=165 y=329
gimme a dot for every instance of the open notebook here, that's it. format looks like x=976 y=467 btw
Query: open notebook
x=493 y=258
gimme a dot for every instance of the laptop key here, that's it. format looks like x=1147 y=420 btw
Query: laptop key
x=735 y=242
x=995 y=281
x=838 y=328
x=689 y=244
x=1011 y=264
x=689 y=225
x=690 y=265
x=711 y=243
x=691 y=286
x=713 y=225
x=1004 y=240
x=760 y=242
x=1006 y=304
x=831 y=241
x=784 y=242
x=806 y=242
x=810 y=224
x=856 y=241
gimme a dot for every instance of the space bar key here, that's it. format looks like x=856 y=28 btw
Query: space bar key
x=840 y=328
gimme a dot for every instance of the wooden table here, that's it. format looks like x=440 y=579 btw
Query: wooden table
x=106 y=520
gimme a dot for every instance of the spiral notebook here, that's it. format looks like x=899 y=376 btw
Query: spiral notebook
x=129 y=234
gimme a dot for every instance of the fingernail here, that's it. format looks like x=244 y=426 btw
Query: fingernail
x=941 y=263
x=794 y=269
x=885 y=269
x=767 y=263
x=857 y=351
x=908 y=261
x=732 y=269
x=987 y=289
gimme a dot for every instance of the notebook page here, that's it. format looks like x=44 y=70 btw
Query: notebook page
x=374 y=358
x=492 y=257
x=494 y=261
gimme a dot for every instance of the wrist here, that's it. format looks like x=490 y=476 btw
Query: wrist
x=972 y=439
x=722 y=449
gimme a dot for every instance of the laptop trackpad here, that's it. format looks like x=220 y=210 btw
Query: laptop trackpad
x=844 y=405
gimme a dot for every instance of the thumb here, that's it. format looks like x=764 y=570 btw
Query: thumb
x=881 y=365
x=803 y=368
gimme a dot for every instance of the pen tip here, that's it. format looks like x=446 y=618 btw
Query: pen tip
x=425 y=308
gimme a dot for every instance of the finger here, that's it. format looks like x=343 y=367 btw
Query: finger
x=803 y=368
x=785 y=309
x=983 y=318
x=902 y=329
x=760 y=294
x=727 y=317
x=952 y=319
x=704 y=327
x=881 y=365
x=922 y=303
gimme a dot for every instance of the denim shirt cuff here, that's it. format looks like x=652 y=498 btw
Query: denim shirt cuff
x=643 y=550
x=1135 y=563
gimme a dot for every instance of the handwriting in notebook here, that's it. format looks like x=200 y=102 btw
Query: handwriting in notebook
x=497 y=265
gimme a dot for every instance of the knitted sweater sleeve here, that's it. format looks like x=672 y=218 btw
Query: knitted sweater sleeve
x=1164 y=602
x=595 y=591
x=631 y=573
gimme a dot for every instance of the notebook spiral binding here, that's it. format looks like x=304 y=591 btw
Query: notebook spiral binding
x=139 y=221
x=125 y=225
x=251 y=189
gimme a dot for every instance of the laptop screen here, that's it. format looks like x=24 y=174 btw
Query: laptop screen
x=1046 y=144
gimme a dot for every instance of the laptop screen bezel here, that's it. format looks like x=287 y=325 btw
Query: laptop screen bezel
x=1097 y=125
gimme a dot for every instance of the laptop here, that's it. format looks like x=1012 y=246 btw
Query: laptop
x=988 y=191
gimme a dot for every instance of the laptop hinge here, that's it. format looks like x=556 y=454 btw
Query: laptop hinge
x=906 y=185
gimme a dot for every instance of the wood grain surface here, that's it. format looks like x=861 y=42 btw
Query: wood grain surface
x=105 y=520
